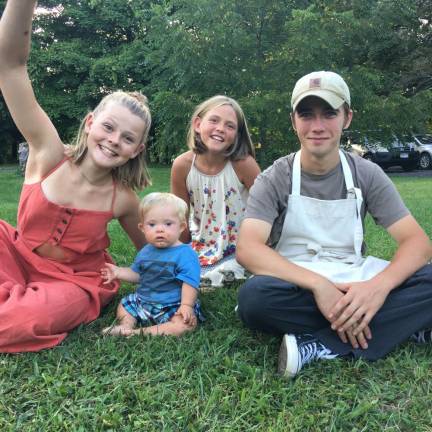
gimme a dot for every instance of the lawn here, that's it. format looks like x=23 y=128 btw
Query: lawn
x=220 y=378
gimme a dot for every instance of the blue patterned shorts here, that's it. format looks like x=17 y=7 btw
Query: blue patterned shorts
x=154 y=313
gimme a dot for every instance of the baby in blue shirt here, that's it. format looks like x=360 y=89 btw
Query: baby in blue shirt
x=166 y=270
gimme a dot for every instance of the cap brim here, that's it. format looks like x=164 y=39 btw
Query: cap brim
x=333 y=100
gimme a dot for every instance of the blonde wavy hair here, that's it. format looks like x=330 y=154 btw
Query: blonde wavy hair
x=242 y=146
x=134 y=173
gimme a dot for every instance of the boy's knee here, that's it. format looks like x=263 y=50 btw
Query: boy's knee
x=251 y=301
x=428 y=271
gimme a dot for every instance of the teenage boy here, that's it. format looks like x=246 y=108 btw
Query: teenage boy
x=302 y=237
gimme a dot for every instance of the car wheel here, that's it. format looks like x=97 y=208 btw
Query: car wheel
x=425 y=161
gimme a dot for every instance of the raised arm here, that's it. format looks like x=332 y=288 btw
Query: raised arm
x=45 y=147
x=179 y=172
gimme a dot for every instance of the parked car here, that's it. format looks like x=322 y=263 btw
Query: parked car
x=424 y=146
x=397 y=152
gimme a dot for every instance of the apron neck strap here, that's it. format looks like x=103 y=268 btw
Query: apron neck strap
x=296 y=175
x=349 y=183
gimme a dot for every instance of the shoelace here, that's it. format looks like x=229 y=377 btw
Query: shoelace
x=308 y=352
x=313 y=351
x=422 y=336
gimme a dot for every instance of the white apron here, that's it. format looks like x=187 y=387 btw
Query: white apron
x=326 y=236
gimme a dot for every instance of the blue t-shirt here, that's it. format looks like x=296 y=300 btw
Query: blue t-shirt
x=163 y=270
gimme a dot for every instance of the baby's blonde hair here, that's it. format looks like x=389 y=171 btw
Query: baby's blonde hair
x=133 y=173
x=163 y=198
x=242 y=146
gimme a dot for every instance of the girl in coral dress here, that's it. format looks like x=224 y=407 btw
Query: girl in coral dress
x=49 y=265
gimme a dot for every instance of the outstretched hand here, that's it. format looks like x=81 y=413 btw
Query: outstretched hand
x=108 y=273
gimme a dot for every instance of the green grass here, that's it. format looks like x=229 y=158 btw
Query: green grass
x=220 y=378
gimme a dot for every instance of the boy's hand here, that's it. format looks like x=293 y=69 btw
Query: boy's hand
x=108 y=273
x=359 y=340
x=358 y=306
x=188 y=314
x=327 y=297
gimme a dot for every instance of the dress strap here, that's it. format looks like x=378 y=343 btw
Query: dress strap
x=349 y=183
x=192 y=167
x=55 y=168
x=113 y=195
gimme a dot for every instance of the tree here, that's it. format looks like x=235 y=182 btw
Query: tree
x=200 y=48
x=255 y=52
x=180 y=52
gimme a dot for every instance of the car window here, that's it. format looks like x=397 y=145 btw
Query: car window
x=424 y=139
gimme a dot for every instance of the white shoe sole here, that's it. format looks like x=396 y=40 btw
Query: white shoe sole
x=289 y=362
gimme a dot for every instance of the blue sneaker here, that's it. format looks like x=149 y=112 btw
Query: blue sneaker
x=422 y=336
x=296 y=351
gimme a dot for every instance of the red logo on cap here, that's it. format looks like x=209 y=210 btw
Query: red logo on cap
x=314 y=83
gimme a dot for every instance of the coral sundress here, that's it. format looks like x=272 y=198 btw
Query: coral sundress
x=41 y=298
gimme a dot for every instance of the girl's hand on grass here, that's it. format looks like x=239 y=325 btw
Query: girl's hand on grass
x=187 y=313
x=108 y=273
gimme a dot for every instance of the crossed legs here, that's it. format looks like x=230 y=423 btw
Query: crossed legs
x=127 y=326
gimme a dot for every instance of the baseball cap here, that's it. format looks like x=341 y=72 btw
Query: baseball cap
x=326 y=85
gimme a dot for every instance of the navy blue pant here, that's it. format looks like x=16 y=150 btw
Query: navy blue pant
x=275 y=306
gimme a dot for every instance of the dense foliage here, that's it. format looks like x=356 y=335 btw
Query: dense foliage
x=180 y=52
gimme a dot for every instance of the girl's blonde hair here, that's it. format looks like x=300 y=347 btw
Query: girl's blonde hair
x=133 y=173
x=242 y=145
x=163 y=198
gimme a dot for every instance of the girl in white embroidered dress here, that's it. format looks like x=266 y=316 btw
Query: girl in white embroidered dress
x=214 y=178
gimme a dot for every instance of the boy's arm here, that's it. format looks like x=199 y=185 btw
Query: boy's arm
x=253 y=253
x=413 y=252
x=188 y=298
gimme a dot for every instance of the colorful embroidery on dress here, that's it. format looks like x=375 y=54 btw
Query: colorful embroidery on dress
x=216 y=211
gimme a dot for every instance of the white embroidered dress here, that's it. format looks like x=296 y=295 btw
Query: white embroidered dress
x=217 y=206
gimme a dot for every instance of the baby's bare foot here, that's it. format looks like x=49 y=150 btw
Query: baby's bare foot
x=117 y=331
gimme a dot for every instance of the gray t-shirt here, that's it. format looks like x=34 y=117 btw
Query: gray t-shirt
x=268 y=197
